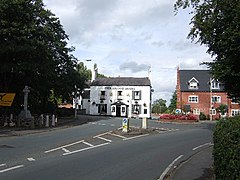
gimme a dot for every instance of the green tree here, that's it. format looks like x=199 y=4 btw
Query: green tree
x=34 y=52
x=216 y=24
x=173 y=102
x=159 y=106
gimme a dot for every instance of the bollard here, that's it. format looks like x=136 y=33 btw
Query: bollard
x=144 y=123
x=53 y=120
x=56 y=120
x=41 y=121
x=47 y=121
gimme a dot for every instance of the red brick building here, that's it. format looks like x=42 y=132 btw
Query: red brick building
x=198 y=91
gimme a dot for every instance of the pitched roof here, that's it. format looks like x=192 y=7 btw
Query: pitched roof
x=202 y=76
x=121 y=81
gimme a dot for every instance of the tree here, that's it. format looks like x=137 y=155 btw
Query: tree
x=216 y=24
x=173 y=102
x=159 y=106
x=34 y=52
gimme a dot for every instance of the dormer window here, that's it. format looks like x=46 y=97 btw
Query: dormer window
x=193 y=83
x=215 y=84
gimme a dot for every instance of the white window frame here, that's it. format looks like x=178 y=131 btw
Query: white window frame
x=196 y=111
x=193 y=83
x=212 y=112
x=193 y=99
x=235 y=112
x=218 y=99
x=215 y=84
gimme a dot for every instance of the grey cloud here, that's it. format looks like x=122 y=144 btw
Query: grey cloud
x=133 y=67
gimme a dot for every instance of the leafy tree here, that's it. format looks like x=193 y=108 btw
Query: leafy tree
x=34 y=52
x=173 y=102
x=159 y=106
x=216 y=24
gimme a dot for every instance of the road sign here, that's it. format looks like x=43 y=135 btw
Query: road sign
x=6 y=99
x=125 y=125
x=178 y=111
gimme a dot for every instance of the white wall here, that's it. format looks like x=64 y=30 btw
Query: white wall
x=111 y=95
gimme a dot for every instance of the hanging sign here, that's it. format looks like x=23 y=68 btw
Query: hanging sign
x=6 y=99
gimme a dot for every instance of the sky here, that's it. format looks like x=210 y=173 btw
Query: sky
x=126 y=37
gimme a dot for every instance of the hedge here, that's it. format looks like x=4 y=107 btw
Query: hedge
x=226 y=150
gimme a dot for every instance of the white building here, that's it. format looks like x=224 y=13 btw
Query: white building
x=120 y=96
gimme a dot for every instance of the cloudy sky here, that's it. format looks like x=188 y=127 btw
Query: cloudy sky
x=126 y=37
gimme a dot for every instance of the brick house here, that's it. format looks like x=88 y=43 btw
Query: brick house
x=198 y=91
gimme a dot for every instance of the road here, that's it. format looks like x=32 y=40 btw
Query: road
x=93 y=151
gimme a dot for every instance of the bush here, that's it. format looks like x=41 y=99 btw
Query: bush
x=226 y=150
x=202 y=116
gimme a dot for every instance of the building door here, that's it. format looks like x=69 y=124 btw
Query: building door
x=118 y=111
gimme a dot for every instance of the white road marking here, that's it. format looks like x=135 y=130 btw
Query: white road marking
x=11 y=168
x=169 y=167
x=105 y=139
x=84 y=142
x=118 y=136
x=67 y=145
x=1 y=165
x=31 y=159
x=112 y=124
x=102 y=134
x=65 y=150
x=80 y=150
x=135 y=137
x=206 y=144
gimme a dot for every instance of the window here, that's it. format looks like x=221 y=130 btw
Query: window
x=102 y=108
x=123 y=109
x=196 y=111
x=234 y=101
x=113 y=109
x=216 y=99
x=119 y=95
x=215 y=84
x=193 y=99
x=102 y=95
x=137 y=95
x=136 y=109
x=193 y=83
x=212 y=112
x=235 y=112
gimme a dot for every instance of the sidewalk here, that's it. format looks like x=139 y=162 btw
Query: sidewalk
x=62 y=123
x=198 y=167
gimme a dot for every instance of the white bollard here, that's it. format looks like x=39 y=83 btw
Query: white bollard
x=53 y=120
x=41 y=120
x=144 y=123
x=56 y=120
x=47 y=121
x=11 y=117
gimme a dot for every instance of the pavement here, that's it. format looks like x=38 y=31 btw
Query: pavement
x=199 y=166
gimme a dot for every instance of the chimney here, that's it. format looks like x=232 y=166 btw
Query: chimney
x=150 y=74
x=94 y=73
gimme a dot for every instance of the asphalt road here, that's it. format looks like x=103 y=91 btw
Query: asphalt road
x=91 y=151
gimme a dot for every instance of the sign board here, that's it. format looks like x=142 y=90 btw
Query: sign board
x=178 y=111
x=6 y=99
x=125 y=125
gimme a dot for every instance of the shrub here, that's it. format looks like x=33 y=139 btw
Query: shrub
x=202 y=116
x=226 y=150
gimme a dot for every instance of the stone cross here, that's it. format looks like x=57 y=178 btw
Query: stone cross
x=25 y=102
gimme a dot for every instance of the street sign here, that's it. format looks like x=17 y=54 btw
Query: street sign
x=125 y=125
x=178 y=111
x=6 y=99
